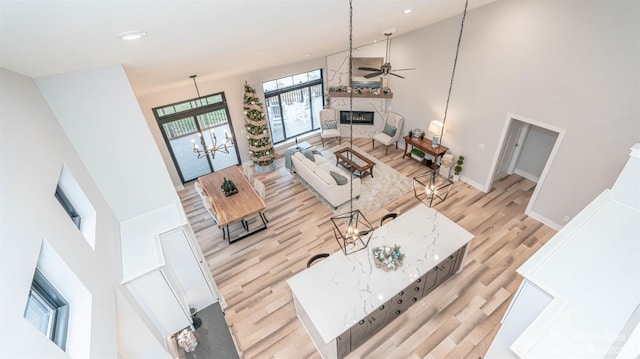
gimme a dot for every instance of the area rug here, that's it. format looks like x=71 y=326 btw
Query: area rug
x=386 y=186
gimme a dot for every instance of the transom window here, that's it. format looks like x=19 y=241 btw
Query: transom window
x=293 y=104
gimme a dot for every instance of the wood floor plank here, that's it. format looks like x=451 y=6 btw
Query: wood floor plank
x=458 y=319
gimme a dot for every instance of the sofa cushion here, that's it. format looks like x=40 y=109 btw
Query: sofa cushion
x=308 y=154
x=298 y=155
x=307 y=163
x=319 y=159
x=324 y=175
x=389 y=130
x=339 y=179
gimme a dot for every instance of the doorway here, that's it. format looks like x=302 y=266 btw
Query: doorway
x=527 y=148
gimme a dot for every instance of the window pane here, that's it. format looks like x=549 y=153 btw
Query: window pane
x=300 y=79
x=38 y=314
x=314 y=75
x=285 y=82
x=269 y=86
x=292 y=113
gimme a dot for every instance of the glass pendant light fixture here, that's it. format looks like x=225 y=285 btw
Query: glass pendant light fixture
x=352 y=229
x=432 y=188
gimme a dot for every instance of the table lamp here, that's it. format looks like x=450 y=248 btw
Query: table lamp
x=436 y=128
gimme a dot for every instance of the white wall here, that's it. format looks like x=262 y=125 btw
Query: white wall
x=33 y=148
x=101 y=117
x=572 y=64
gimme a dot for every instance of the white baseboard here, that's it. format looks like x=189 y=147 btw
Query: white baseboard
x=544 y=220
x=473 y=183
x=527 y=175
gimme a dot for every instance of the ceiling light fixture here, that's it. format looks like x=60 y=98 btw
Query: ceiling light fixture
x=214 y=146
x=352 y=230
x=437 y=187
x=408 y=11
x=131 y=35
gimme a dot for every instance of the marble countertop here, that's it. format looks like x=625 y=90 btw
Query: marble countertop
x=592 y=270
x=340 y=290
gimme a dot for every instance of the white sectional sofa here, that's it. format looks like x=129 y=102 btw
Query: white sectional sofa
x=317 y=175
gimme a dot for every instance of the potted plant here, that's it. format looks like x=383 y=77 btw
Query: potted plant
x=458 y=168
x=410 y=133
x=417 y=154
x=228 y=187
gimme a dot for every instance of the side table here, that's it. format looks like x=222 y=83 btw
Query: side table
x=426 y=146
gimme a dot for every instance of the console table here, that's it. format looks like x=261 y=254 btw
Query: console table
x=426 y=146
x=343 y=300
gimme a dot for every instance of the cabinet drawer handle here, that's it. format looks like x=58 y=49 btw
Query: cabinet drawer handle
x=417 y=289
x=401 y=292
x=414 y=299
x=361 y=322
x=398 y=312
x=381 y=307
x=451 y=257
x=399 y=301
x=419 y=280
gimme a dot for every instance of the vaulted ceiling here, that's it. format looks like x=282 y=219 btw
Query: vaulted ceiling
x=214 y=38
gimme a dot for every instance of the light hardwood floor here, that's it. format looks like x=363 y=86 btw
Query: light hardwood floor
x=459 y=319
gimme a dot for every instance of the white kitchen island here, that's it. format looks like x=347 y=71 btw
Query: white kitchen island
x=342 y=300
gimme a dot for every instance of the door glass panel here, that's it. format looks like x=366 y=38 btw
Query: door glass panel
x=296 y=107
x=275 y=119
x=216 y=132
x=180 y=133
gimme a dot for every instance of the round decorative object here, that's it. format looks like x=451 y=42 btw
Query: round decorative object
x=387 y=258
x=187 y=340
x=417 y=133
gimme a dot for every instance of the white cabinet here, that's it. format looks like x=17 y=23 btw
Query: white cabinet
x=177 y=281
x=162 y=300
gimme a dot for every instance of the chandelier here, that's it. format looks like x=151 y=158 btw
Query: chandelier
x=352 y=229
x=214 y=146
x=432 y=188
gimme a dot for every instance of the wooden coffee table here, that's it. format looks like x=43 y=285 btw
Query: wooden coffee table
x=358 y=164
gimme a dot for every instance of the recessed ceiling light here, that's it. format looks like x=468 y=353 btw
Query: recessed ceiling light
x=131 y=35
x=408 y=11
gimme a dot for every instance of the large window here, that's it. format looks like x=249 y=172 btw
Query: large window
x=185 y=122
x=293 y=104
x=47 y=310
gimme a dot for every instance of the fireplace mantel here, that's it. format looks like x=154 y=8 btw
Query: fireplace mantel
x=361 y=95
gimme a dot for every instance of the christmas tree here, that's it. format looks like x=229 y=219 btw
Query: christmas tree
x=260 y=147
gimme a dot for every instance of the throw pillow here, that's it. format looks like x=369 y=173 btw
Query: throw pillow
x=389 y=130
x=329 y=125
x=340 y=179
x=308 y=154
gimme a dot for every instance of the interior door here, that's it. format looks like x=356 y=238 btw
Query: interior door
x=509 y=150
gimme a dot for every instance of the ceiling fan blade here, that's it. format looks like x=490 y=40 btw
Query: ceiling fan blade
x=373 y=74
x=368 y=69
x=396 y=75
x=413 y=68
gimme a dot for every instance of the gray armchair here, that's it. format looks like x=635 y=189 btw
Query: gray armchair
x=390 y=132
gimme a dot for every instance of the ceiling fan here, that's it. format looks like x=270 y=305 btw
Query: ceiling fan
x=385 y=69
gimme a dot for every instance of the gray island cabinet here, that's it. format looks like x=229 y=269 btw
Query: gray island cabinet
x=343 y=300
